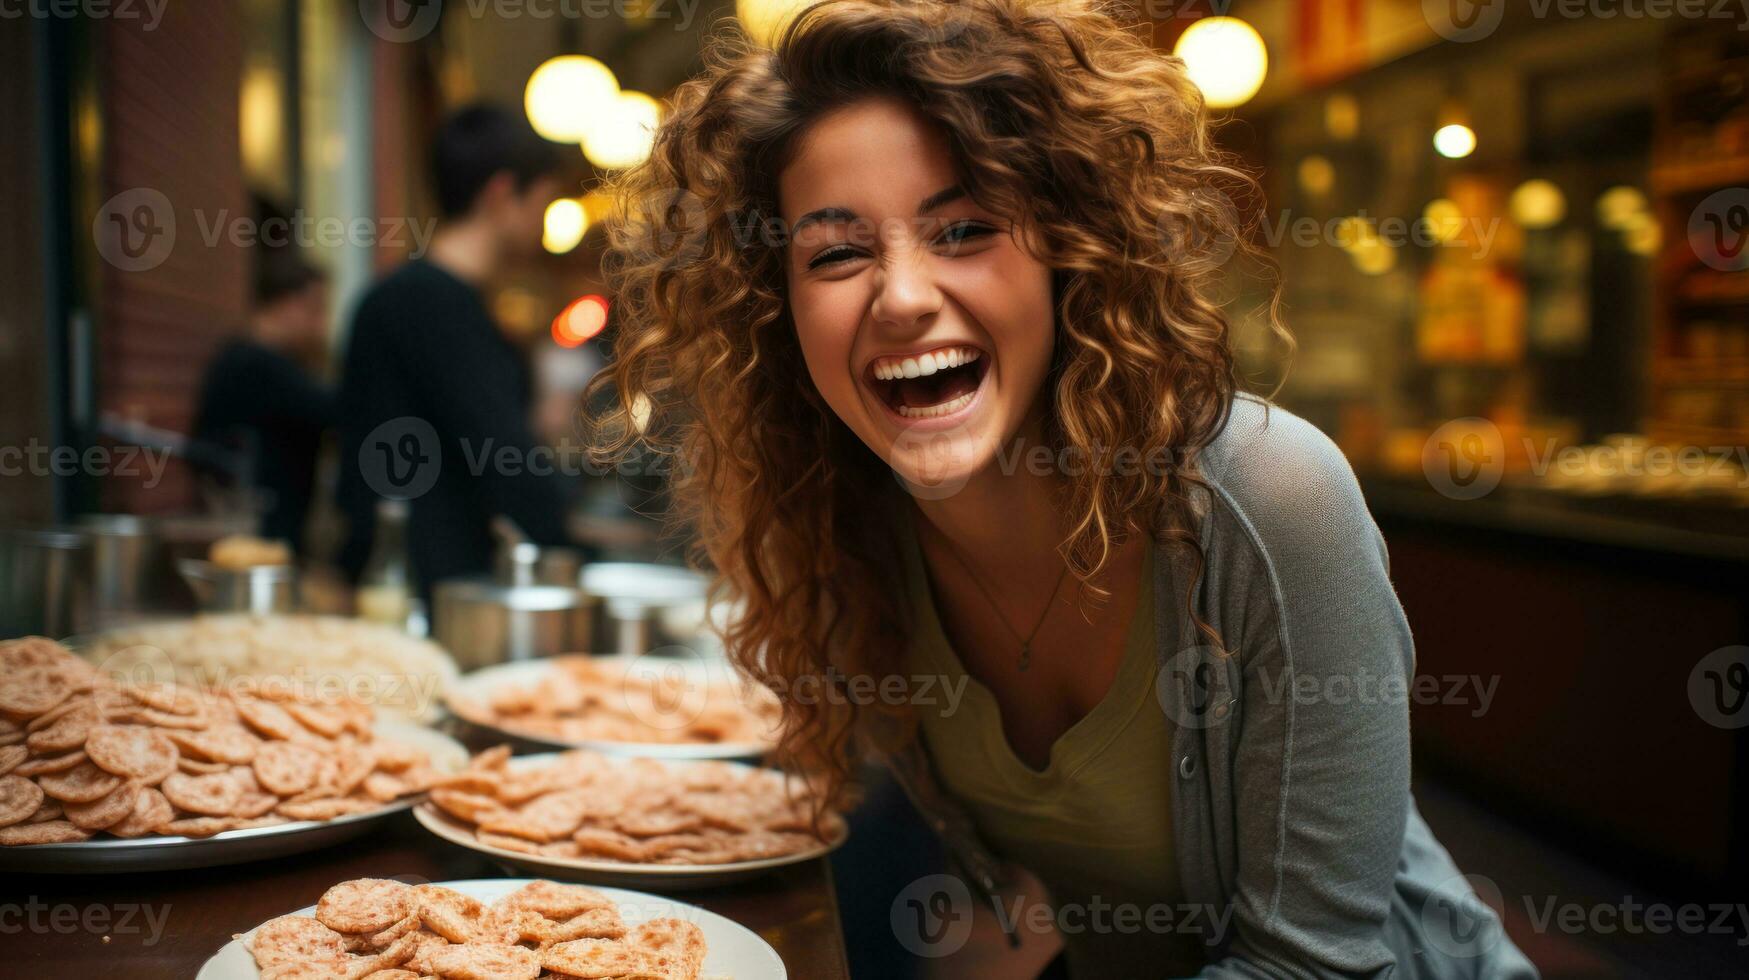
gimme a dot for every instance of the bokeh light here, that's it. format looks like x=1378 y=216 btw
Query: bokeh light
x=566 y=96
x=1455 y=141
x=1226 y=58
x=579 y=321
x=622 y=137
x=564 y=226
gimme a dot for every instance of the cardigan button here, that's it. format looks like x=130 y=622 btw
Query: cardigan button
x=1186 y=767
x=1221 y=710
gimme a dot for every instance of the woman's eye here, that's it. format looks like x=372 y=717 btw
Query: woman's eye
x=830 y=256
x=955 y=235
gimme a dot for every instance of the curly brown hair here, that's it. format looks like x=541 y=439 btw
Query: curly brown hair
x=1059 y=118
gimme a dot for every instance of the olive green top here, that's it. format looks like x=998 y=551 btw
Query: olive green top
x=1095 y=825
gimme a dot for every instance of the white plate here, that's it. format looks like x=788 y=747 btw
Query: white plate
x=477 y=688
x=732 y=951
x=106 y=855
x=604 y=872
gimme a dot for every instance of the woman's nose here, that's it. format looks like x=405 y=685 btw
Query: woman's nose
x=906 y=292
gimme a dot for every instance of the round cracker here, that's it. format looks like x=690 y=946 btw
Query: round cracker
x=83 y=783
x=212 y=795
x=53 y=763
x=151 y=811
x=19 y=798
x=47 y=832
x=365 y=905
x=231 y=744
x=134 y=751
x=105 y=812
x=287 y=768
x=27 y=652
x=485 y=961
x=556 y=901
x=11 y=756
x=294 y=939
x=68 y=731
x=269 y=719
x=32 y=691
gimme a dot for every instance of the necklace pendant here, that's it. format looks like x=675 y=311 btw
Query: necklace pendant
x=1025 y=655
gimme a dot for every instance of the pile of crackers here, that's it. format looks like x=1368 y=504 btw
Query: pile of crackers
x=82 y=753
x=389 y=930
x=583 y=699
x=583 y=804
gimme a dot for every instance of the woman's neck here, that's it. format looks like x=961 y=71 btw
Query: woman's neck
x=1006 y=517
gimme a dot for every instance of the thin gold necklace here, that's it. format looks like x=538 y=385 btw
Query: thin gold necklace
x=1025 y=641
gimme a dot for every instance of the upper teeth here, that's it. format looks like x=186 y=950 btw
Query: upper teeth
x=920 y=365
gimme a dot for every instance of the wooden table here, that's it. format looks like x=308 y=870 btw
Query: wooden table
x=166 y=924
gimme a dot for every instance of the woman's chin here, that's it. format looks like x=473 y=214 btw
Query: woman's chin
x=936 y=465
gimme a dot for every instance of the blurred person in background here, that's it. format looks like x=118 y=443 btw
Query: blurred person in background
x=262 y=411
x=425 y=347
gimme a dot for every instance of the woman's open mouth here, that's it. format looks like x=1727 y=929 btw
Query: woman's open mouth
x=932 y=384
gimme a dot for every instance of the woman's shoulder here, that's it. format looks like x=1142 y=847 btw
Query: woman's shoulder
x=1281 y=479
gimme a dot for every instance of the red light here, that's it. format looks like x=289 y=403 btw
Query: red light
x=580 y=320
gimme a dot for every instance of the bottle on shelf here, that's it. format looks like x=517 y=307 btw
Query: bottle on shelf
x=385 y=591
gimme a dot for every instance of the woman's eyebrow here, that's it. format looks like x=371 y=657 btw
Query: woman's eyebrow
x=838 y=213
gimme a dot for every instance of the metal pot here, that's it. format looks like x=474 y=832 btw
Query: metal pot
x=127 y=573
x=259 y=590
x=647 y=607
x=482 y=622
x=41 y=586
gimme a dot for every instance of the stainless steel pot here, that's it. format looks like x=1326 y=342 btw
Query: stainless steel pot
x=41 y=586
x=127 y=571
x=259 y=590
x=481 y=621
x=648 y=606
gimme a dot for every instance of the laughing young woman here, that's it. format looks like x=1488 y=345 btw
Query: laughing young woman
x=972 y=245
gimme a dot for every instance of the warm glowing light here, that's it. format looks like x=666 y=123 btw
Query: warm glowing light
x=1342 y=116
x=1619 y=206
x=1444 y=219
x=567 y=95
x=1226 y=58
x=1642 y=234
x=641 y=412
x=622 y=137
x=566 y=222
x=580 y=321
x=763 y=19
x=1350 y=231
x=1455 y=141
x=1538 y=204
x=261 y=122
x=1317 y=175
x=1373 y=255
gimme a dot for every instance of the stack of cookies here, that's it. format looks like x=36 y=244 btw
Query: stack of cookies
x=381 y=928
x=583 y=804
x=82 y=754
